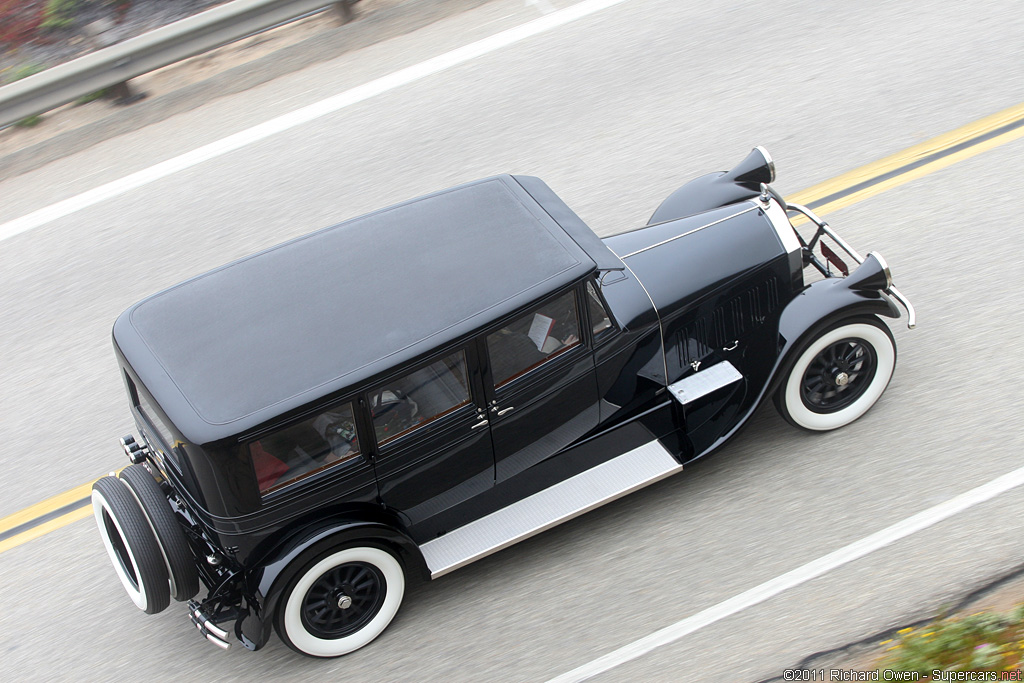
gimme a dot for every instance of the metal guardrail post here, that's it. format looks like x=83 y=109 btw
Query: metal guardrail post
x=117 y=64
x=343 y=12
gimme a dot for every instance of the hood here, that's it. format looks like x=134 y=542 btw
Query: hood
x=681 y=261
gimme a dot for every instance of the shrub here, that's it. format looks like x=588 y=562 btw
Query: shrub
x=58 y=14
x=19 y=20
x=991 y=642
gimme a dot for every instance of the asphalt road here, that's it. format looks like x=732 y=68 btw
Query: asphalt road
x=614 y=111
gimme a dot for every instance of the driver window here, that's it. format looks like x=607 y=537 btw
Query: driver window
x=407 y=403
x=598 y=316
x=531 y=340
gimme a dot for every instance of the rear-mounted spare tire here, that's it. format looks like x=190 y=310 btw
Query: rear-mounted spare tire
x=178 y=558
x=132 y=547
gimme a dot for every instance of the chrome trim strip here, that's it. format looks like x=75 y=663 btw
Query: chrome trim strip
x=565 y=500
x=783 y=228
x=661 y=328
x=689 y=232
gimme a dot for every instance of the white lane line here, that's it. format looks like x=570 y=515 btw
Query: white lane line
x=542 y=5
x=306 y=114
x=779 y=584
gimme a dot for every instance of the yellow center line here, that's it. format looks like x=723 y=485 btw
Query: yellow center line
x=46 y=527
x=912 y=155
x=872 y=177
x=47 y=506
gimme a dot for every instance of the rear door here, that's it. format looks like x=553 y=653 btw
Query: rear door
x=431 y=440
x=540 y=383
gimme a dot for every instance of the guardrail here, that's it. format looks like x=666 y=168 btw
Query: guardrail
x=114 y=66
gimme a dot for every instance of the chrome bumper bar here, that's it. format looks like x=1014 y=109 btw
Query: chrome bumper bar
x=210 y=631
x=825 y=229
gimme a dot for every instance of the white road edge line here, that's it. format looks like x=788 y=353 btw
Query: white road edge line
x=794 y=578
x=306 y=114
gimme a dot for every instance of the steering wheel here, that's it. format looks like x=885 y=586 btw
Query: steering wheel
x=393 y=413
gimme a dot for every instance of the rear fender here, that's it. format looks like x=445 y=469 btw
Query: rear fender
x=267 y=582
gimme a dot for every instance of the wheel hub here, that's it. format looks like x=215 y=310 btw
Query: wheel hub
x=343 y=600
x=838 y=375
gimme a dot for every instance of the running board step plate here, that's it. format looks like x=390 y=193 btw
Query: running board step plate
x=552 y=506
x=702 y=383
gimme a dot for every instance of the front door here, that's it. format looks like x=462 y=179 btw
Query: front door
x=540 y=382
x=432 y=444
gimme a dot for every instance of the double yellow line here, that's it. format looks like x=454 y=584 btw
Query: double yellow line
x=831 y=195
x=914 y=162
x=42 y=518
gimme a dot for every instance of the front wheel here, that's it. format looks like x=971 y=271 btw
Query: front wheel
x=838 y=375
x=341 y=601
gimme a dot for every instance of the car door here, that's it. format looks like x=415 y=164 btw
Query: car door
x=432 y=447
x=540 y=383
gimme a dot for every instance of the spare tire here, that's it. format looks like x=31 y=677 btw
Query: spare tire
x=178 y=557
x=131 y=545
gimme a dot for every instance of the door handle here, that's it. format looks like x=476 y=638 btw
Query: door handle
x=479 y=424
x=506 y=410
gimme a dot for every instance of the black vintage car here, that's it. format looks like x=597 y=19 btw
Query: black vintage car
x=396 y=396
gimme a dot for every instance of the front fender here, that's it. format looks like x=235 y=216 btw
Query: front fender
x=267 y=582
x=820 y=305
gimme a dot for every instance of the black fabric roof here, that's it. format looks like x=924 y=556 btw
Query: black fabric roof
x=235 y=347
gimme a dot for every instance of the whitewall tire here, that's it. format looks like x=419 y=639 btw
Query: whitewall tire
x=838 y=375
x=174 y=548
x=341 y=602
x=131 y=545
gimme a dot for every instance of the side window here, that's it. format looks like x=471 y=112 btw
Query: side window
x=304 y=448
x=404 y=404
x=151 y=416
x=598 y=315
x=534 y=338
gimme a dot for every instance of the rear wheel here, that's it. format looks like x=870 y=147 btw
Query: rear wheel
x=131 y=545
x=341 y=601
x=838 y=375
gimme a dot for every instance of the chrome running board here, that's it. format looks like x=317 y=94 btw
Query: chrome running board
x=704 y=382
x=552 y=506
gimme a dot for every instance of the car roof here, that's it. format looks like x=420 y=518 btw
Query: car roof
x=242 y=344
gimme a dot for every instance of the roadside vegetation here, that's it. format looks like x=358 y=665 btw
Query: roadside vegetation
x=22 y=21
x=983 y=641
x=50 y=32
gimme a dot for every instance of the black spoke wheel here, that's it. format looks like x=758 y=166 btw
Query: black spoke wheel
x=339 y=601
x=343 y=600
x=837 y=375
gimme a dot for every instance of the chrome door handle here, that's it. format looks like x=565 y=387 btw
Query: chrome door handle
x=734 y=345
x=506 y=410
x=479 y=424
